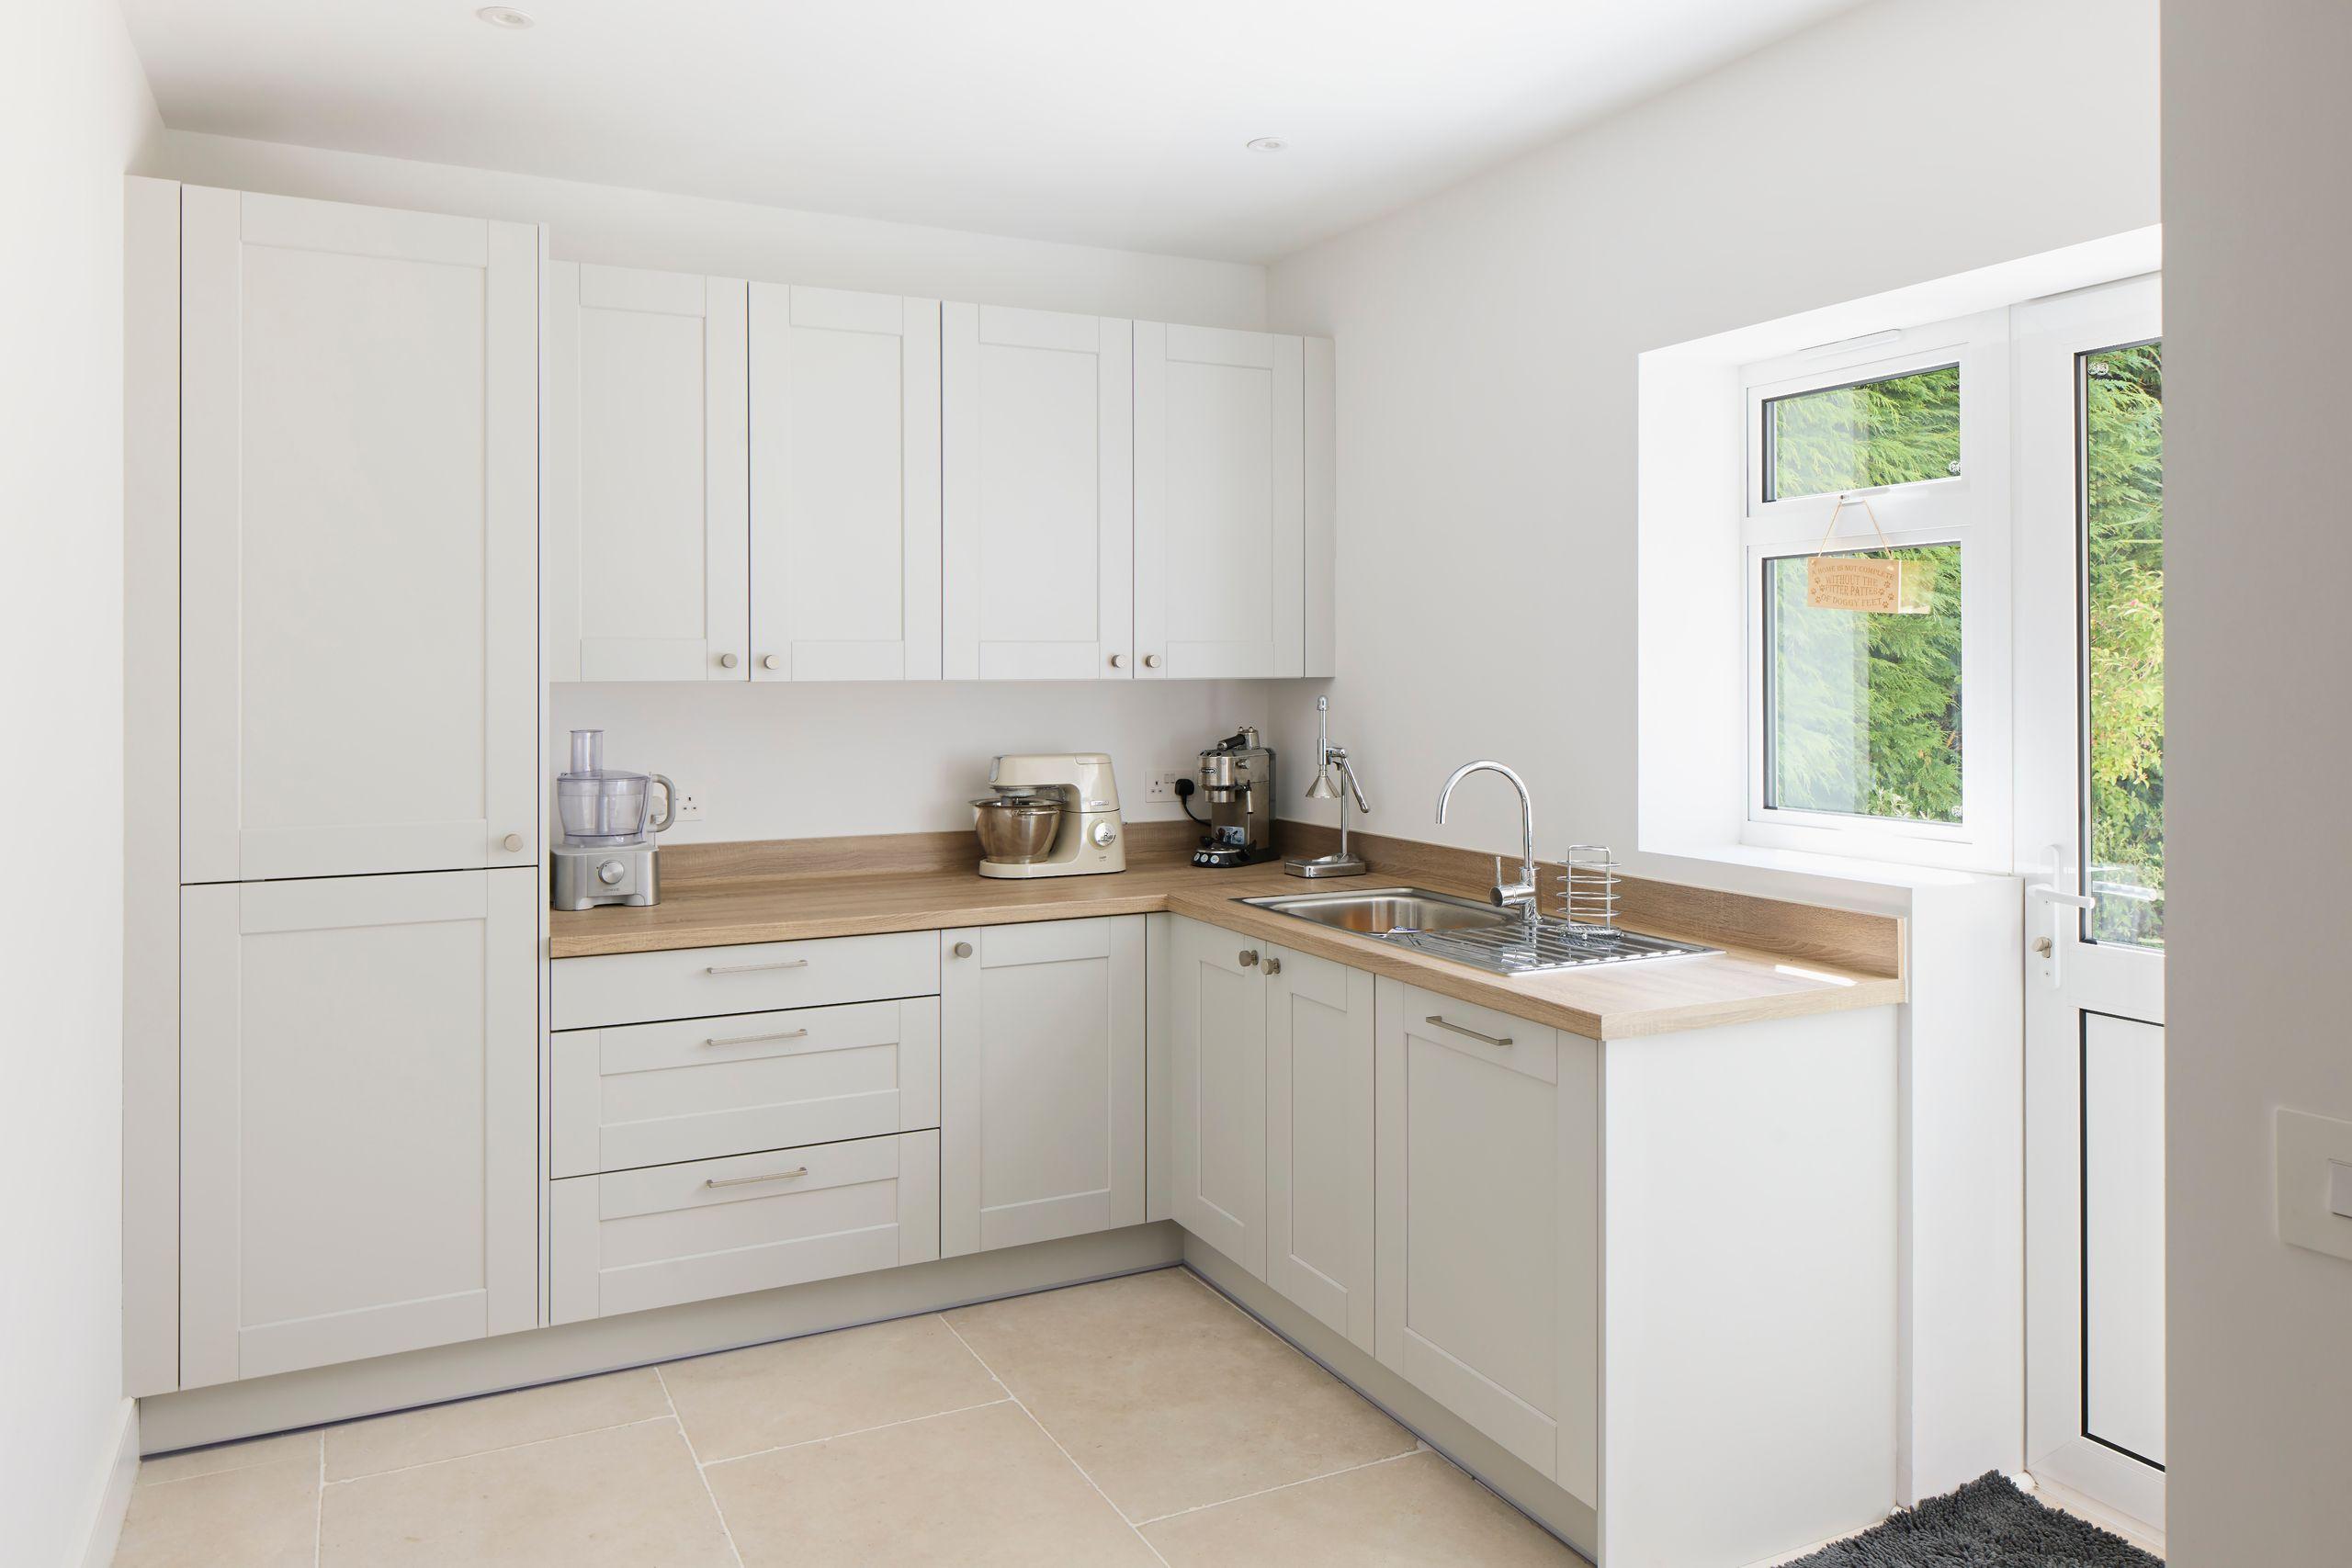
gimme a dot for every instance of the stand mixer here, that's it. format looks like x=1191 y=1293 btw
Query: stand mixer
x=606 y=853
x=1050 y=814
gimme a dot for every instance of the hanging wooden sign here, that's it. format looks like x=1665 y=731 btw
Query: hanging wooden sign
x=1858 y=583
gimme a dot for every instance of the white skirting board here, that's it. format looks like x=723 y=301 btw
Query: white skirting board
x=114 y=1491
x=291 y=1400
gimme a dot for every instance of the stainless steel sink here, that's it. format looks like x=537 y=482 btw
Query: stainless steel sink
x=1501 y=941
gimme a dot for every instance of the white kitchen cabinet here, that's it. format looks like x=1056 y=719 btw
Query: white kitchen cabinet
x=1216 y=1117
x=1041 y=1081
x=1220 y=528
x=358 y=1117
x=359 y=557
x=1488 y=1224
x=844 y=477
x=1038 y=504
x=647 y=498
x=1319 y=1221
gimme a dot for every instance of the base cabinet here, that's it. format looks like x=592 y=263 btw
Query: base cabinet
x=1216 y=1115
x=358 y=1059
x=1319 y=1222
x=1042 y=1081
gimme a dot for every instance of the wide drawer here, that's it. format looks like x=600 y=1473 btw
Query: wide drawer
x=636 y=1239
x=657 y=1093
x=702 y=982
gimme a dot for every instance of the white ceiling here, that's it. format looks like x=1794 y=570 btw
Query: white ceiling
x=1110 y=122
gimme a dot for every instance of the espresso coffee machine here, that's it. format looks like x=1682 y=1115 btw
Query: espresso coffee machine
x=1237 y=773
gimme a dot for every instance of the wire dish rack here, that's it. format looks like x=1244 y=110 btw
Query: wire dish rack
x=1541 y=942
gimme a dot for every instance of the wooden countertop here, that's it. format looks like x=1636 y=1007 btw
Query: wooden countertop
x=1779 y=960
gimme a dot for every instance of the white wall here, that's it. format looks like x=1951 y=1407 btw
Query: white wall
x=2257 y=324
x=74 y=114
x=1487 y=349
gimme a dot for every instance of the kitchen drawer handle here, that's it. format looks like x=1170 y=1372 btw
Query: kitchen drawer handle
x=748 y=1181
x=754 y=968
x=1490 y=1039
x=754 y=1039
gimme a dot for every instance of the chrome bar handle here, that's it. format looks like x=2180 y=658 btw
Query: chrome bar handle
x=748 y=1181
x=1458 y=1029
x=753 y=968
x=755 y=1039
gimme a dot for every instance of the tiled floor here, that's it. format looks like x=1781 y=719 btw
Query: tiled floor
x=1139 y=1420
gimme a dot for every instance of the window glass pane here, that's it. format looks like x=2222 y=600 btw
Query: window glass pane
x=1895 y=431
x=2123 y=548
x=1862 y=711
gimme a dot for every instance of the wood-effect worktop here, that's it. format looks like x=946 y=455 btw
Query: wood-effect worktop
x=1780 y=960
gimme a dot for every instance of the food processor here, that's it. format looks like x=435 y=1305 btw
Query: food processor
x=606 y=853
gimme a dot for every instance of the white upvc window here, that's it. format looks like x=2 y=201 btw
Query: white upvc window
x=1885 y=736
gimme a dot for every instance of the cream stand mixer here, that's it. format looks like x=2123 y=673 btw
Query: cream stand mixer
x=1050 y=814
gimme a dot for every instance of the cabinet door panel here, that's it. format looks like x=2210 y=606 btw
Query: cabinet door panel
x=358 y=1118
x=1319 y=1140
x=359 y=522
x=845 y=456
x=1220 y=502
x=648 y=497
x=1216 y=1028
x=1039 y=497
x=1041 y=1070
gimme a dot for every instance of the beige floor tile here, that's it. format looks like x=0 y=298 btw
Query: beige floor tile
x=978 y=1488
x=496 y=1421
x=827 y=1384
x=1168 y=1397
x=262 y=1516
x=628 y=1497
x=229 y=1456
x=1412 y=1511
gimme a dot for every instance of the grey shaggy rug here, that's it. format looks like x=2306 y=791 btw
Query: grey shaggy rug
x=1986 y=1524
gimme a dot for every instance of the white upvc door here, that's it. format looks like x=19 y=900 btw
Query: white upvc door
x=1041 y=1081
x=647 y=491
x=1320 y=1049
x=1220 y=503
x=844 y=422
x=1217 y=1120
x=2089 y=590
x=360 y=565
x=358 y=1118
x=1038 y=506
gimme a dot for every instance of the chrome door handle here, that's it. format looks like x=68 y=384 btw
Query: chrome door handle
x=754 y=1039
x=962 y=949
x=1118 y=661
x=1273 y=966
x=1247 y=958
x=1458 y=1029
x=2059 y=900
x=512 y=842
x=754 y=968
x=748 y=1181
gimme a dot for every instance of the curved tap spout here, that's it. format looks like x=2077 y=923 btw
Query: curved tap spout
x=1506 y=895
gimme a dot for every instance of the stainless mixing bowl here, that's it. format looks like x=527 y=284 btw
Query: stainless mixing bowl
x=1016 y=830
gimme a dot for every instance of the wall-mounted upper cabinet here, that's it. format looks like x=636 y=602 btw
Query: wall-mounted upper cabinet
x=648 y=486
x=358 y=539
x=1040 y=501
x=844 y=486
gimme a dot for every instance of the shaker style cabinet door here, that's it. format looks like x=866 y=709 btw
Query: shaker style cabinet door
x=1041 y=1115
x=844 y=485
x=1318 y=1139
x=1220 y=503
x=358 y=1117
x=1039 y=503
x=648 y=496
x=1216 y=1119
x=359 y=554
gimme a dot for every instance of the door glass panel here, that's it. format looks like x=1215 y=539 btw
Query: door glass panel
x=2123 y=595
x=1897 y=430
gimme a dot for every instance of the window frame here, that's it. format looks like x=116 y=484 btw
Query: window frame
x=1970 y=509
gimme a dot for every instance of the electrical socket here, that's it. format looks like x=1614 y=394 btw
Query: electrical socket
x=690 y=804
x=1160 y=788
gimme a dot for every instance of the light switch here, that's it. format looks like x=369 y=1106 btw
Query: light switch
x=2315 y=1182
x=2339 y=1187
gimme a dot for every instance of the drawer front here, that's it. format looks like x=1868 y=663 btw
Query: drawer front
x=700 y=1088
x=705 y=982
x=637 y=1239
x=1483 y=1034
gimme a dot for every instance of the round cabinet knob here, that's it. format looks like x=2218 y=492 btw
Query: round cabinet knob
x=610 y=873
x=1103 y=834
x=1273 y=966
x=962 y=949
x=728 y=661
x=512 y=842
x=1118 y=661
x=1152 y=662
x=770 y=662
x=1247 y=958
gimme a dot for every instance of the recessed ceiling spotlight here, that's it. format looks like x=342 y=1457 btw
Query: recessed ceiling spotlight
x=1266 y=144
x=506 y=16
